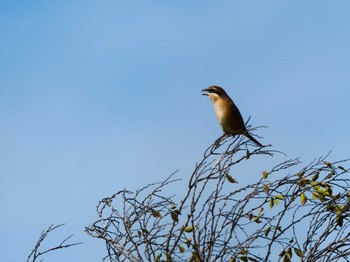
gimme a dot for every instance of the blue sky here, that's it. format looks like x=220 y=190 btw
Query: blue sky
x=97 y=96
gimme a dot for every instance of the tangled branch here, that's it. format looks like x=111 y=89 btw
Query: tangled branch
x=304 y=213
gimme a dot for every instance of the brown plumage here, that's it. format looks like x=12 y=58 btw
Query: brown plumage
x=227 y=113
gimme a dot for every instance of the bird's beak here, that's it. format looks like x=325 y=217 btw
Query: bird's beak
x=205 y=90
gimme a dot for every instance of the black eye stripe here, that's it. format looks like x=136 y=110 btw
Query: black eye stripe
x=212 y=90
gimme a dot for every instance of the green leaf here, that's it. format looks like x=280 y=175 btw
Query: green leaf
x=181 y=249
x=340 y=220
x=194 y=257
x=267 y=231
x=341 y=168
x=315 y=176
x=231 y=179
x=271 y=202
x=243 y=258
x=168 y=257
x=250 y=216
x=300 y=174
x=282 y=253
x=157 y=258
x=298 y=252
x=175 y=215
x=329 y=190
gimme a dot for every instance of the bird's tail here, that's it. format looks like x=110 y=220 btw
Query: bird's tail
x=253 y=139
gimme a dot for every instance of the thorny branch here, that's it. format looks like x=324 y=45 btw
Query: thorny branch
x=289 y=211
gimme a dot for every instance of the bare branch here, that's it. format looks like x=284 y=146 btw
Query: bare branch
x=36 y=253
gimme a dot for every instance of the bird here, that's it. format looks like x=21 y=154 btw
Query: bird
x=227 y=113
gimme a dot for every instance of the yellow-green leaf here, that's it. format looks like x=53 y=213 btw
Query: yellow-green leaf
x=330 y=174
x=316 y=194
x=303 y=198
x=286 y=258
x=324 y=184
x=327 y=163
x=321 y=192
x=271 y=203
x=304 y=181
x=265 y=174
x=280 y=197
x=266 y=189
x=188 y=229
x=188 y=242
x=257 y=220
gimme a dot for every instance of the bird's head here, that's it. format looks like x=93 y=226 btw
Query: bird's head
x=214 y=93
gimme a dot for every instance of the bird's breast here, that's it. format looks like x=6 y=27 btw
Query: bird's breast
x=229 y=117
x=220 y=112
